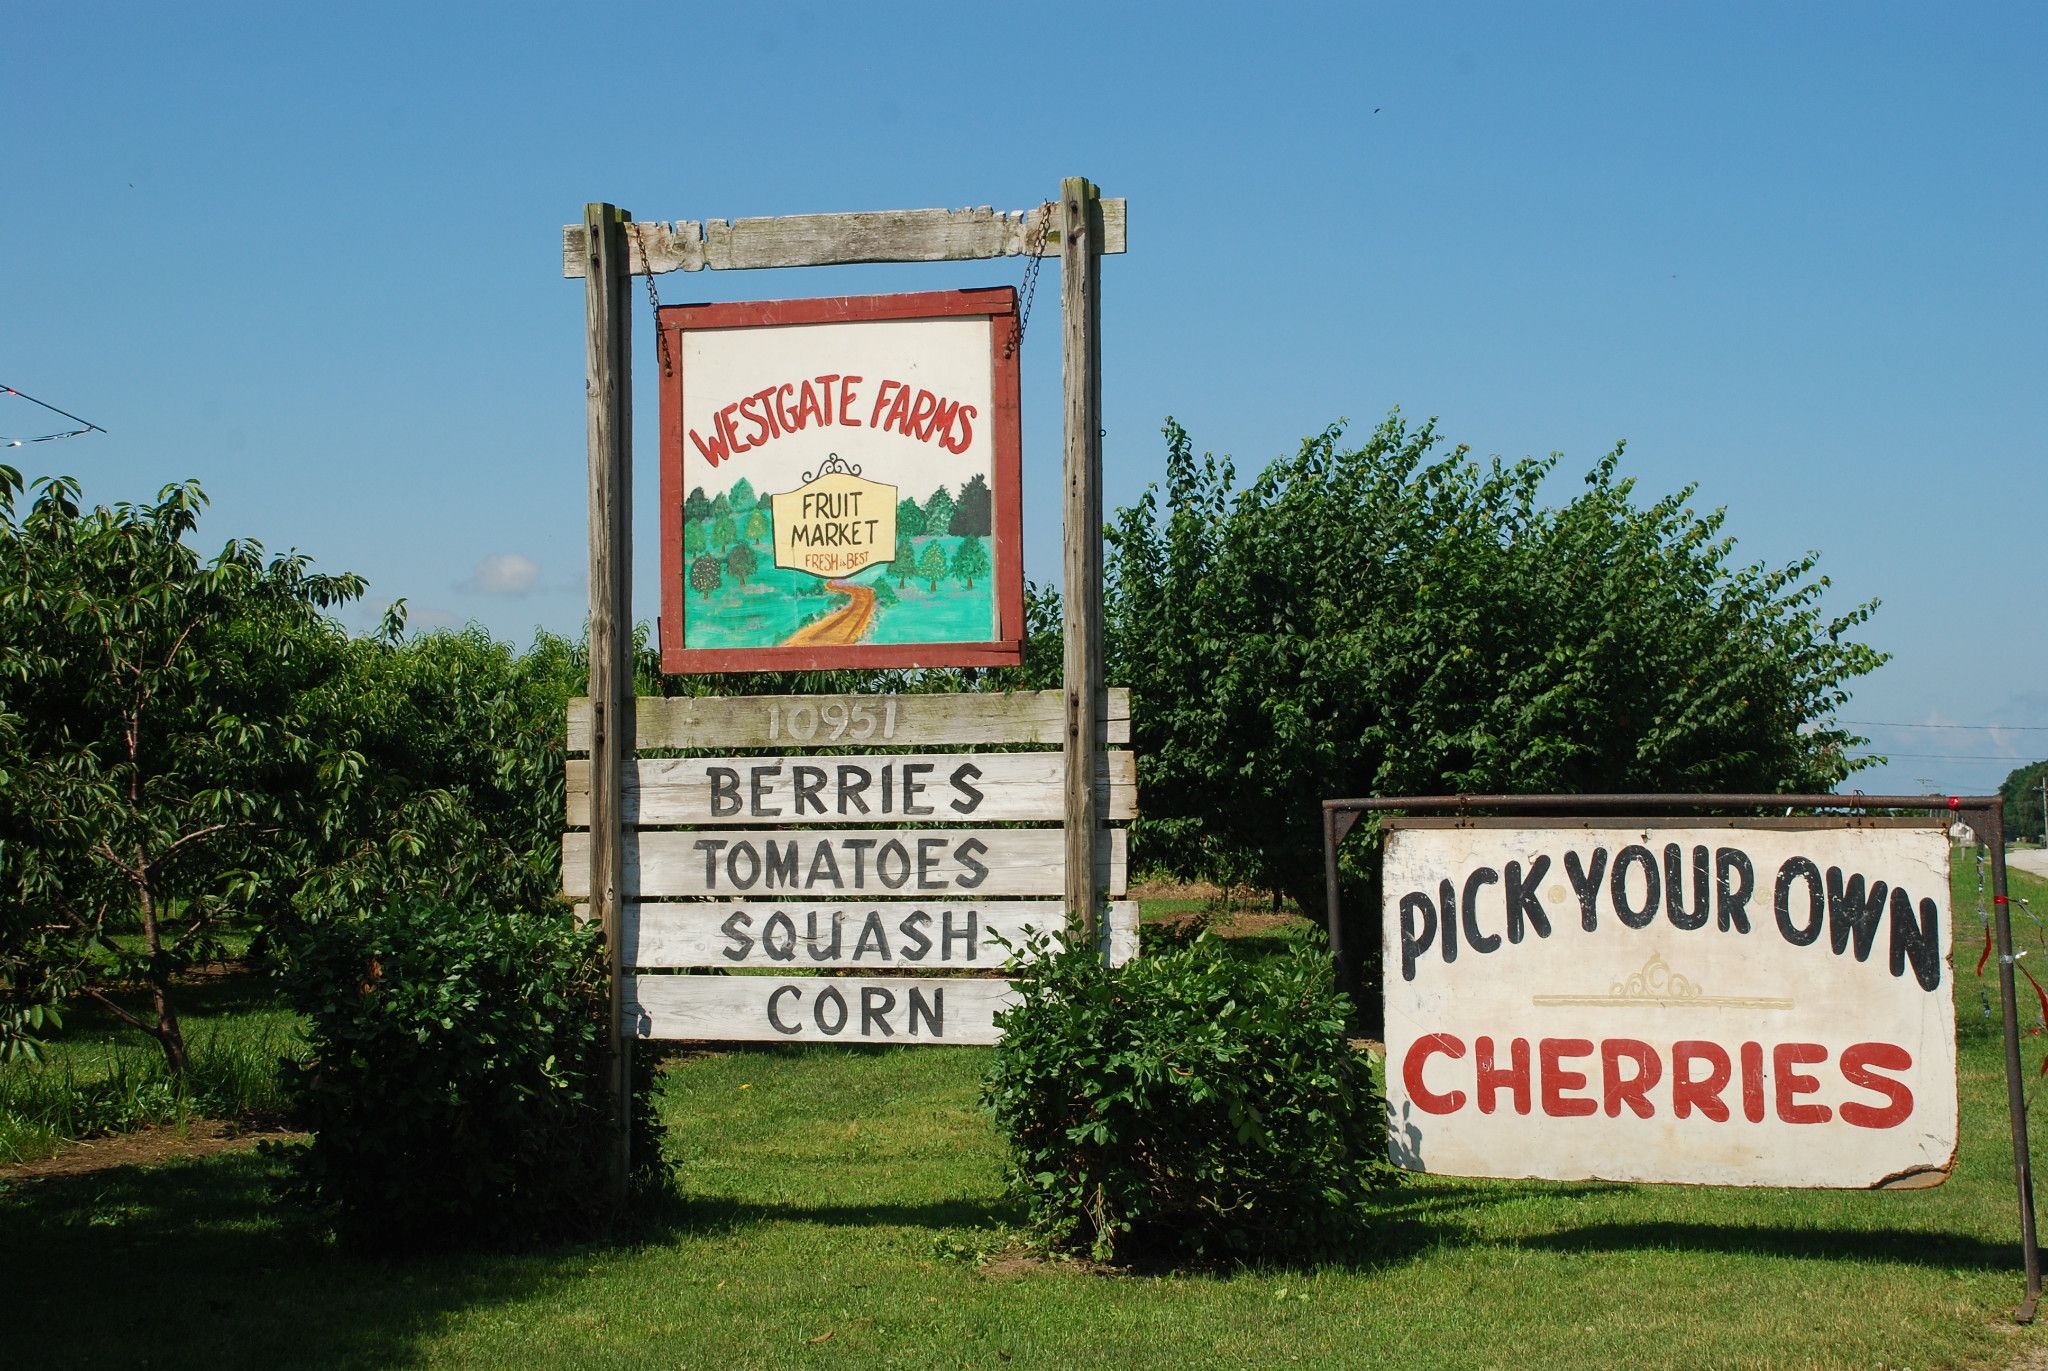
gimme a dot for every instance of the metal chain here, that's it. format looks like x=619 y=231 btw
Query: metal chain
x=653 y=302
x=1035 y=258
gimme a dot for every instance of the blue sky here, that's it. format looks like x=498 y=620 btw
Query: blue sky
x=311 y=255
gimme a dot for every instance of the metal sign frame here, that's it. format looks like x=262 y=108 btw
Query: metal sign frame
x=1984 y=813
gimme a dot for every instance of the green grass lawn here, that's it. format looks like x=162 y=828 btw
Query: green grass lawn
x=833 y=1200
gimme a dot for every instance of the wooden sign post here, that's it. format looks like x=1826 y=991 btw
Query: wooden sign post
x=607 y=863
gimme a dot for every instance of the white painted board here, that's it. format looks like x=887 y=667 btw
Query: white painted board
x=913 y=1011
x=776 y=722
x=1700 y=1002
x=959 y=935
x=942 y=787
x=916 y=863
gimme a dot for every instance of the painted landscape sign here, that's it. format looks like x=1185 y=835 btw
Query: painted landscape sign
x=840 y=484
x=1735 y=1003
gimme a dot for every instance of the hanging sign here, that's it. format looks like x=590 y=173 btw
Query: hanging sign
x=840 y=484
x=1718 y=1003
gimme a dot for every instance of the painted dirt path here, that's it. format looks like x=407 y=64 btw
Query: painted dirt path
x=843 y=625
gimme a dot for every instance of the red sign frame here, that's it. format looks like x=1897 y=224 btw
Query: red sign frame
x=1006 y=646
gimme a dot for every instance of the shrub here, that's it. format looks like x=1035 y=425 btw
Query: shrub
x=455 y=1084
x=1194 y=1105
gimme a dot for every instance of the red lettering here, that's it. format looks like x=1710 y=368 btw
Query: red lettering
x=1419 y=1053
x=714 y=451
x=1703 y=1093
x=1792 y=1084
x=940 y=430
x=1632 y=1090
x=899 y=412
x=1556 y=1080
x=1753 y=1082
x=881 y=398
x=808 y=411
x=846 y=385
x=750 y=410
x=781 y=410
x=732 y=437
x=1857 y=1059
x=1514 y=1077
x=919 y=425
x=967 y=413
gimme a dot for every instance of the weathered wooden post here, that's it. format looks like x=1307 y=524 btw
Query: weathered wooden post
x=1080 y=219
x=608 y=336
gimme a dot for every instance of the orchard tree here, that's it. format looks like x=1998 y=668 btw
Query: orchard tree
x=974 y=516
x=756 y=527
x=165 y=766
x=904 y=563
x=696 y=505
x=739 y=560
x=938 y=512
x=1386 y=620
x=970 y=560
x=723 y=534
x=707 y=574
x=743 y=497
x=932 y=566
x=693 y=537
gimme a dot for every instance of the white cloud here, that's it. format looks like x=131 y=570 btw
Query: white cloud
x=504 y=573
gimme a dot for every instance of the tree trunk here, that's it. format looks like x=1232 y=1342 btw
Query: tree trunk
x=168 y=1034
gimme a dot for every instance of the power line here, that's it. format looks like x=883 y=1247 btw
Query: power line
x=90 y=426
x=1952 y=757
x=1975 y=728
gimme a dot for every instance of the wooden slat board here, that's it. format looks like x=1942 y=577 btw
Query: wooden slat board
x=801 y=721
x=818 y=240
x=954 y=1011
x=867 y=863
x=935 y=787
x=872 y=935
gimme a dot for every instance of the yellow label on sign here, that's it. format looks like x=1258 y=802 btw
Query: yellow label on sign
x=836 y=523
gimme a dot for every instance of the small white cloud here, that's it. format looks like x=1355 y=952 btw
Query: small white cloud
x=504 y=573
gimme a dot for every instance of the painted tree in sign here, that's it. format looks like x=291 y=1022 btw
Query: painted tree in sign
x=970 y=560
x=706 y=575
x=696 y=505
x=723 y=534
x=884 y=596
x=693 y=537
x=938 y=511
x=932 y=566
x=905 y=561
x=740 y=561
x=909 y=519
x=974 y=516
x=756 y=527
x=743 y=496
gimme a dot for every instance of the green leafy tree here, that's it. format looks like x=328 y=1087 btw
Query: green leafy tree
x=165 y=767
x=970 y=559
x=721 y=506
x=885 y=595
x=723 y=534
x=2022 y=792
x=757 y=527
x=739 y=560
x=974 y=515
x=904 y=563
x=706 y=575
x=696 y=505
x=694 y=541
x=743 y=496
x=938 y=511
x=932 y=566
x=1386 y=620
x=909 y=519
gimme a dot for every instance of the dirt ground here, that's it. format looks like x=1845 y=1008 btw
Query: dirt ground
x=148 y=1147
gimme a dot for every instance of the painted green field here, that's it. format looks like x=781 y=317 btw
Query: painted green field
x=838 y=1207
